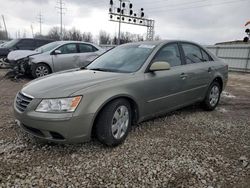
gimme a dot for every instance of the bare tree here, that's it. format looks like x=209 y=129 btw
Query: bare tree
x=74 y=34
x=128 y=37
x=139 y=38
x=54 y=33
x=104 y=37
x=87 y=37
x=3 y=35
x=157 y=37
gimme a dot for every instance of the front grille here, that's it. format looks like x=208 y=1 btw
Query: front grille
x=22 y=101
x=34 y=131
x=56 y=135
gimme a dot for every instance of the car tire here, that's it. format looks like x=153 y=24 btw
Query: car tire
x=114 y=122
x=39 y=70
x=212 y=97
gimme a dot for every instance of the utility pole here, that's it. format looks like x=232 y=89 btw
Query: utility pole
x=6 y=32
x=32 y=30
x=60 y=7
x=40 y=21
x=119 y=31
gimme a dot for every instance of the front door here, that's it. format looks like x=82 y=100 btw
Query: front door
x=68 y=58
x=163 y=90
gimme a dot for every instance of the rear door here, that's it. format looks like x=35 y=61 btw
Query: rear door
x=87 y=54
x=163 y=90
x=69 y=57
x=198 y=71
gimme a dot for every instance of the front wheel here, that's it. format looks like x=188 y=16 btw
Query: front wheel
x=212 y=97
x=114 y=122
x=40 y=70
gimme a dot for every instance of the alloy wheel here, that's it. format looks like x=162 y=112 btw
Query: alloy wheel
x=41 y=71
x=120 y=122
x=214 y=95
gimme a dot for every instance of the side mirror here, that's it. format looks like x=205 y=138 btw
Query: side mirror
x=159 y=66
x=56 y=52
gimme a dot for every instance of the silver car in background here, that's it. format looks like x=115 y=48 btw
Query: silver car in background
x=126 y=85
x=62 y=55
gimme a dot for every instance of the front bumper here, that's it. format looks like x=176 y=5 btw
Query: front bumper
x=20 y=66
x=62 y=128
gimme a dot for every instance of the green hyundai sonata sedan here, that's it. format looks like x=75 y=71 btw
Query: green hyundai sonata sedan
x=124 y=86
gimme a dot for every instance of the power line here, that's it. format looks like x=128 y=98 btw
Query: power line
x=200 y=6
x=181 y=4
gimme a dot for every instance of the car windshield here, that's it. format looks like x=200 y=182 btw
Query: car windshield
x=10 y=43
x=127 y=59
x=48 y=47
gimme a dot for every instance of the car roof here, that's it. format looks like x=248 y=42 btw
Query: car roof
x=158 y=42
x=71 y=41
x=61 y=42
x=37 y=39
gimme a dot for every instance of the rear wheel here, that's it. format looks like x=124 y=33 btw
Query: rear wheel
x=114 y=122
x=40 y=70
x=213 y=96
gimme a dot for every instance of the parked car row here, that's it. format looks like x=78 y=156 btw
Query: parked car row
x=55 y=56
x=21 y=44
x=126 y=85
x=38 y=57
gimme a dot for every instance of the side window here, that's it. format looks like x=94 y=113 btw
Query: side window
x=41 y=43
x=26 y=44
x=192 y=53
x=205 y=56
x=68 y=49
x=84 y=48
x=170 y=53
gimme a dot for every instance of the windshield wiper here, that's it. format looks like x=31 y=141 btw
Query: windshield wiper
x=102 y=69
x=83 y=68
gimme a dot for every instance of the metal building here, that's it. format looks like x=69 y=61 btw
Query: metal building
x=236 y=55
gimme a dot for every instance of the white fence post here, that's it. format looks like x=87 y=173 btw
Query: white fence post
x=248 y=59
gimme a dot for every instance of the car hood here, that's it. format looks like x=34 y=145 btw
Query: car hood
x=20 y=54
x=66 y=83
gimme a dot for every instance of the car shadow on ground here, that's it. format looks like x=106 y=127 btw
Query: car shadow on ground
x=94 y=144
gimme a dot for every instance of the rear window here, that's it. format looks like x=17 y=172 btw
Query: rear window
x=84 y=48
x=42 y=42
x=26 y=43
x=192 y=53
x=205 y=56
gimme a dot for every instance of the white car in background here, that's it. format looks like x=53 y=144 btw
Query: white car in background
x=57 y=56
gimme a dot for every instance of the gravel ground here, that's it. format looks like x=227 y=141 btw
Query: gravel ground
x=185 y=148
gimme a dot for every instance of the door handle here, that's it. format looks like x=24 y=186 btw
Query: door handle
x=183 y=76
x=209 y=70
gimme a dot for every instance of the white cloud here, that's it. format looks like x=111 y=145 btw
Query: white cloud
x=205 y=24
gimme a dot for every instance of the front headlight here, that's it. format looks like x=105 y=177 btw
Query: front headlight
x=30 y=61
x=59 y=105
